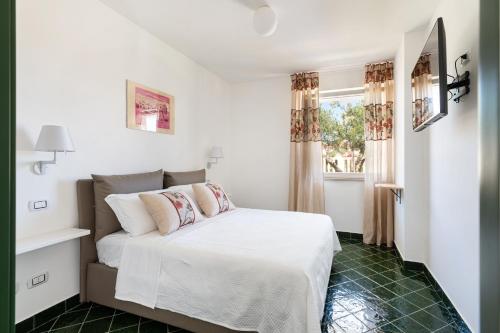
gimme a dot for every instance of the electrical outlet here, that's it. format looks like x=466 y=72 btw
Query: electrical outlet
x=465 y=58
x=37 y=205
x=38 y=279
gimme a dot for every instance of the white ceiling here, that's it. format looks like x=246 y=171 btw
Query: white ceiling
x=311 y=34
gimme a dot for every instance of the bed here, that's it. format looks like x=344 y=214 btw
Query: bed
x=245 y=270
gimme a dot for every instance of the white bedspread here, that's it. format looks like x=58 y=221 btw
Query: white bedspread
x=255 y=270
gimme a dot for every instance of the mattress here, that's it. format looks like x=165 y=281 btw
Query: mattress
x=110 y=248
x=249 y=270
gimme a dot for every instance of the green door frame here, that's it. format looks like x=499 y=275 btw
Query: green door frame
x=489 y=161
x=7 y=165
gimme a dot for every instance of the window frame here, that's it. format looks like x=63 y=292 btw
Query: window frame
x=332 y=94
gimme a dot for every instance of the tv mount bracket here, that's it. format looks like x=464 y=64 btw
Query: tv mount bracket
x=460 y=82
x=462 y=85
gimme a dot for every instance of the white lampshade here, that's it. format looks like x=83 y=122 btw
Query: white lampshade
x=265 y=21
x=216 y=152
x=54 y=138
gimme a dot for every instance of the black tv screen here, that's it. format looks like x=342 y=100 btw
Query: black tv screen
x=429 y=81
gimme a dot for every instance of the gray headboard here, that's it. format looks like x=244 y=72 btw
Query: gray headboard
x=86 y=220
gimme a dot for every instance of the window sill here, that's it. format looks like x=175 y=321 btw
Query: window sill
x=344 y=176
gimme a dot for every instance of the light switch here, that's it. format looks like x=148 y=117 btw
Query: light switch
x=37 y=280
x=38 y=205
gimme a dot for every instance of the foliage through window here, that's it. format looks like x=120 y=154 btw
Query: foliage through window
x=342 y=133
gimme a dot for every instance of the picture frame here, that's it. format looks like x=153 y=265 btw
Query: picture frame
x=150 y=109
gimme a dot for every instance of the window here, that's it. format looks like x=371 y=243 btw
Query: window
x=342 y=127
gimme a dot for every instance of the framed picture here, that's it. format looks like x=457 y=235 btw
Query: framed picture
x=149 y=109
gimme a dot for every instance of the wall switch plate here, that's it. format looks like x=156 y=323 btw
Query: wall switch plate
x=38 y=279
x=38 y=205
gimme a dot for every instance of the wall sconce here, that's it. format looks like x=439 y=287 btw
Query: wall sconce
x=215 y=153
x=54 y=139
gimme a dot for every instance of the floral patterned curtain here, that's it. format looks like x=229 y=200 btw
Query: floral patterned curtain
x=421 y=79
x=306 y=173
x=379 y=85
x=378 y=226
x=305 y=108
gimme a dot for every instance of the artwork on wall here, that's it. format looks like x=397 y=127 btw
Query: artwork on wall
x=149 y=109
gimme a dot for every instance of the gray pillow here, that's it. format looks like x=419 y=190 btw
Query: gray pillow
x=183 y=178
x=105 y=219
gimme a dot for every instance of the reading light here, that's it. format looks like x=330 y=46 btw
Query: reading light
x=54 y=139
x=265 y=21
x=215 y=153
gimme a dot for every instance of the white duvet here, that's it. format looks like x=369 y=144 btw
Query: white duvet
x=254 y=270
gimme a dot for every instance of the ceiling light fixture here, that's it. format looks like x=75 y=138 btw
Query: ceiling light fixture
x=265 y=21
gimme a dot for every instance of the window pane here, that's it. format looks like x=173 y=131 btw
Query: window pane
x=342 y=127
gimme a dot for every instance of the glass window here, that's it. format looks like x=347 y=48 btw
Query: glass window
x=342 y=128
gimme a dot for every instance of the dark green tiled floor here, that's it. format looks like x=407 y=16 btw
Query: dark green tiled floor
x=93 y=318
x=369 y=291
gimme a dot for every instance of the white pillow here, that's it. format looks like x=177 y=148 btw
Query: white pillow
x=131 y=212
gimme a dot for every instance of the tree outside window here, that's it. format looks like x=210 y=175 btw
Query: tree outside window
x=342 y=130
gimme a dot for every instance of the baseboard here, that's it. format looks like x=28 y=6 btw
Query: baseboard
x=349 y=235
x=410 y=265
x=421 y=267
x=47 y=315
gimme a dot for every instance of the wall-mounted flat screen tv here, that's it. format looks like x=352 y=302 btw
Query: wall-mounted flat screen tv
x=429 y=81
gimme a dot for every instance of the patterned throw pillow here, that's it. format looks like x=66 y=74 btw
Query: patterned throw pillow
x=171 y=210
x=212 y=199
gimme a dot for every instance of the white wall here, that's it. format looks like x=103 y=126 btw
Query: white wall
x=412 y=161
x=438 y=223
x=259 y=152
x=454 y=175
x=73 y=58
x=259 y=120
x=344 y=204
x=399 y=146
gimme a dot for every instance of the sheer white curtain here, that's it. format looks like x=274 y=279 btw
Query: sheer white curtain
x=378 y=227
x=306 y=173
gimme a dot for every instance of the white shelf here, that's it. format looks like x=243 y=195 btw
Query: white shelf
x=28 y=244
x=395 y=189
x=393 y=186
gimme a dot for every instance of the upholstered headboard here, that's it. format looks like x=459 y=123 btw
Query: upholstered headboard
x=86 y=220
x=86 y=217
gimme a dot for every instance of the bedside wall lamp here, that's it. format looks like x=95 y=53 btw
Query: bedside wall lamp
x=54 y=139
x=215 y=153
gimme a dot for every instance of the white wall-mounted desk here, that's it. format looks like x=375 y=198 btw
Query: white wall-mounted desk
x=33 y=243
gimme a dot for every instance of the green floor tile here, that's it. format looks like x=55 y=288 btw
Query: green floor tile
x=124 y=320
x=152 y=327
x=99 y=325
x=428 y=320
x=408 y=325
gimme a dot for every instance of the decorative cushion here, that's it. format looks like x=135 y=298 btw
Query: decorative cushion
x=189 y=191
x=171 y=210
x=131 y=213
x=183 y=178
x=106 y=221
x=212 y=199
